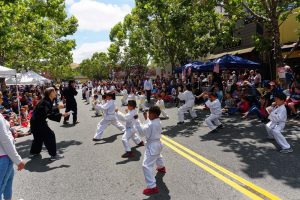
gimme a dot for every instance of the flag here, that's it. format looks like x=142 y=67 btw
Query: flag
x=217 y=68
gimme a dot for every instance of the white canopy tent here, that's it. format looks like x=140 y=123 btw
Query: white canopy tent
x=27 y=78
x=7 y=72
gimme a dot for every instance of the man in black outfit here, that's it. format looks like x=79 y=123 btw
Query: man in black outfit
x=69 y=94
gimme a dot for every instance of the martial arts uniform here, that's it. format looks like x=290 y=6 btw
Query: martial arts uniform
x=108 y=109
x=153 y=147
x=215 y=113
x=69 y=94
x=189 y=100
x=124 y=101
x=142 y=99
x=95 y=102
x=130 y=132
x=161 y=104
x=278 y=117
x=40 y=130
x=131 y=97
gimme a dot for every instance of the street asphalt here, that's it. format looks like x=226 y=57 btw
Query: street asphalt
x=96 y=171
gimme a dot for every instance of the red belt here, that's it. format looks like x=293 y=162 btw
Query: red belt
x=3 y=156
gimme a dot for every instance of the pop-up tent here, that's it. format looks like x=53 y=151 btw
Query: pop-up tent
x=231 y=62
x=27 y=78
x=7 y=72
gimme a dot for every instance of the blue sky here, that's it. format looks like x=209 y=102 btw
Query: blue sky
x=96 y=18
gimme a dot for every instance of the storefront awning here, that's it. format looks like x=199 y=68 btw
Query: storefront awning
x=236 y=52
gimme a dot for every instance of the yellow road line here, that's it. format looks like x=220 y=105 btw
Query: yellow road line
x=213 y=172
x=223 y=170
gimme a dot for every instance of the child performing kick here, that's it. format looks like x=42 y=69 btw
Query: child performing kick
x=278 y=118
x=214 y=105
x=108 y=108
x=152 y=131
x=130 y=132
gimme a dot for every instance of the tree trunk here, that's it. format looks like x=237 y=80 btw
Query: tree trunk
x=276 y=44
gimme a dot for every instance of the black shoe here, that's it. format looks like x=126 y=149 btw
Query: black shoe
x=65 y=122
x=77 y=122
x=180 y=123
x=56 y=157
x=220 y=126
x=96 y=140
x=290 y=150
x=213 y=131
x=34 y=155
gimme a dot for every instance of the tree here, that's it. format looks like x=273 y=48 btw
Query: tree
x=33 y=35
x=97 y=67
x=272 y=13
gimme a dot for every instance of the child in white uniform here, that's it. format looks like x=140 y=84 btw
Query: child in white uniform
x=215 y=108
x=161 y=104
x=108 y=108
x=124 y=92
x=152 y=131
x=95 y=102
x=278 y=117
x=131 y=96
x=130 y=132
x=189 y=100
x=142 y=99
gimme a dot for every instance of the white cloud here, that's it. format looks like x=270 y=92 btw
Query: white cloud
x=86 y=50
x=97 y=16
x=70 y=2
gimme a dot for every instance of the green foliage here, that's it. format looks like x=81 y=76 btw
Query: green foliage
x=271 y=13
x=97 y=67
x=168 y=31
x=33 y=35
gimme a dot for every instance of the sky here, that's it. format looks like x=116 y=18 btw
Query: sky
x=95 y=19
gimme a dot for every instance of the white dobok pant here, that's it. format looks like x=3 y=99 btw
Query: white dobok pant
x=213 y=121
x=104 y=123
x=274 y=132
x=150 y=159
x=163 y=113
x=183 y=109
x=124 y=100
x=130 y=133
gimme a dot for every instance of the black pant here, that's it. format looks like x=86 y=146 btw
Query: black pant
x=74 y=114
x=42 y=134
x=148 y=93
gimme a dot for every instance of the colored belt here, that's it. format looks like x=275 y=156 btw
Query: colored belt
x=3 y=156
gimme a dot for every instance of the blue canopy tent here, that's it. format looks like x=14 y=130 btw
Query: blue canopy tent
x=194 y=65
x=230 y=62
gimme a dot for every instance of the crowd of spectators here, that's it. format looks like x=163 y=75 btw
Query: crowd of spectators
x=246 y=94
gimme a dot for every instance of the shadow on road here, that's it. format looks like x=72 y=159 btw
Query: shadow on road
x=163 y=189
x=259 y=160
x=67 y=125
x=23 y=148
x=188 y=128
x=137 y=157
x=110 y=139
x=41 y=165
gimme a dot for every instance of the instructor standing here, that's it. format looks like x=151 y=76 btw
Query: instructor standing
x=42 y=134
x=69 y=94
x=148 y=87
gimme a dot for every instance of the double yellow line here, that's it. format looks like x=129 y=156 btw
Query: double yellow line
x=247 y=188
